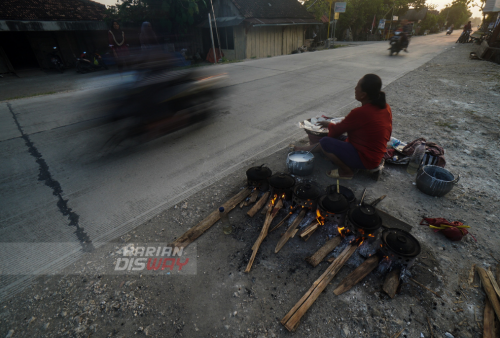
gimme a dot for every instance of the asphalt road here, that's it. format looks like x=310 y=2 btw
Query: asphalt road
x=59 y=192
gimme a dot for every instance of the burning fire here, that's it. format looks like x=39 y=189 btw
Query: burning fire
x=343 y=231
x=273 y=201
x=320 y=218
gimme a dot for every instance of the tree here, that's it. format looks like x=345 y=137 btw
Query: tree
x=457 y=14
x=170 y=16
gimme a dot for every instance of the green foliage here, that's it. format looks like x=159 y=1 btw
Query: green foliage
x=431 y=23
x=359 y=13
x=457 y=14
x=173 y=16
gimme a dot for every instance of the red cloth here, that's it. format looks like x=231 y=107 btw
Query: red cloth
x=453 y=234
x=210 y=55
x=368 y=129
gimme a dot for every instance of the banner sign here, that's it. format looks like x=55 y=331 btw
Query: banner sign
x=340 y=7
x=381 y=24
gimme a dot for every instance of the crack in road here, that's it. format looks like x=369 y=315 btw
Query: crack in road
x=45 y=176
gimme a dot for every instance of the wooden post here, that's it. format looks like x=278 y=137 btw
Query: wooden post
x=290 y=232
x=391 y=282
x=258 y=205
x=488 y=289
x=292 y=318
x=357 y=275
x=489 y=320
x=328 y=247
x=192 y=234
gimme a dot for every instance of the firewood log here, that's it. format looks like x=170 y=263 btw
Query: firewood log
x=328 y=247
x=357 y=275
x=488 y=289
x=291 y=231
x=258 y=205
x=391 y=282
x=192 y=234
x=292 y=318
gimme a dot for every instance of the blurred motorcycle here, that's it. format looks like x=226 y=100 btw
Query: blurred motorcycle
x=397 y=44
x=55 y=61
x=88 y=62
x=160 y=102
x=464 y=37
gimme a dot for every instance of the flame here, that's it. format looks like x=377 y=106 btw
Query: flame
x=370 y=235
x=320 y=218
x=273 y=201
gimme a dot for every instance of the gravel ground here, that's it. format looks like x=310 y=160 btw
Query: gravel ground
x=451 y=100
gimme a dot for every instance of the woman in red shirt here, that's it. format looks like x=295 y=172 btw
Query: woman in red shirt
x=368 y=129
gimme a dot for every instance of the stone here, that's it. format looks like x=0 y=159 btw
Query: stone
x=9 y=334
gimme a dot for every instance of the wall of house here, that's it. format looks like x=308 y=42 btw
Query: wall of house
x=273 y=40
x=238 y=53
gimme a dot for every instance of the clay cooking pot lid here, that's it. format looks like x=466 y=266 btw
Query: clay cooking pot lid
x=281 y=181
x=348 y=194
x=335 y=203
x=401 y=242
x=365 y=217
x=306 y=191
x=258 y=173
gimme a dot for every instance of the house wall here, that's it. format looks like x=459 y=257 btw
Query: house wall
x=238 y=53
x=273 y=40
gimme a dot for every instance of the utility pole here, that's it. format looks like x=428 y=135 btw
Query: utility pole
x=329 y=18
x=392 y=16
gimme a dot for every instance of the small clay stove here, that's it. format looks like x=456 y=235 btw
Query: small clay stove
x=282 y=184
x=257 y=177
x=400 y=247
x=333 y=207
x=306 y=195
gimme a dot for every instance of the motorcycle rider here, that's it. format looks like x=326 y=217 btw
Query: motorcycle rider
x=406 y=30
x=468 y=27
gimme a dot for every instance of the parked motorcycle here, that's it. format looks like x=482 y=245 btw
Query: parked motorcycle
x=88 y=62
x=397 y=44
x=159 y=102
x=55 y=61
x=464 y=37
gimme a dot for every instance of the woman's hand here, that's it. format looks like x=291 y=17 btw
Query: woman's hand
x=324 y=124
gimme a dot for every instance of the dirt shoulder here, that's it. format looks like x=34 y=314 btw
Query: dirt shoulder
x=451 y=100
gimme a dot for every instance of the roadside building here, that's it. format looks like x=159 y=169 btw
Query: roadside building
x=257 y=28
x=30 y=29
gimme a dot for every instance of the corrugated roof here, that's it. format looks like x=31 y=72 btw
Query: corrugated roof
x=272 y=9
x=491 y=6
x=51 y=10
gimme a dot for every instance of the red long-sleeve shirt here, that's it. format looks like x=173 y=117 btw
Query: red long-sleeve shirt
x=368 y=129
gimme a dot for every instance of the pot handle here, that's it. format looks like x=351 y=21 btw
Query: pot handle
x=455 y=181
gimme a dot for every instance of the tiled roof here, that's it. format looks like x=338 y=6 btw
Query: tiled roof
x=51 y=10
x=272 y=9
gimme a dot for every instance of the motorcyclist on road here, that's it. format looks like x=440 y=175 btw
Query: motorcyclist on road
x=468 y=27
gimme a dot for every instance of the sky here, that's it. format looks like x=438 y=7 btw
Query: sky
x=440 y=3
